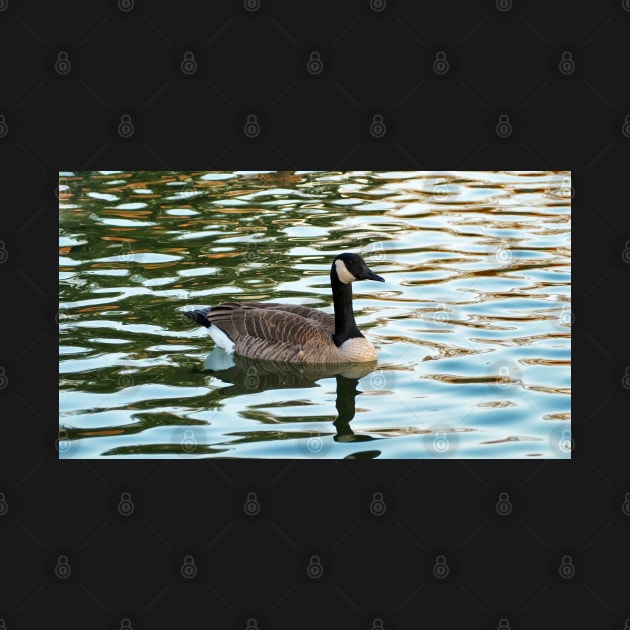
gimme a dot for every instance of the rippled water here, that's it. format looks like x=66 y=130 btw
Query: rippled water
x=472 y=323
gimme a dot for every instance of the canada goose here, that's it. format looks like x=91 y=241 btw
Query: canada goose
x=292 y=333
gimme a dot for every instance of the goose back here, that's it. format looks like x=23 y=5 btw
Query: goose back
x=324 y=321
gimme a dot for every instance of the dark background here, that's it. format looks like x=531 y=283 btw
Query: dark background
x=316 y=76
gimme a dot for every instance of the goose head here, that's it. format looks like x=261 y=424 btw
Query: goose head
x=351 y=267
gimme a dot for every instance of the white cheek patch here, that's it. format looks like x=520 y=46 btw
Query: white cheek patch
x=342 y=272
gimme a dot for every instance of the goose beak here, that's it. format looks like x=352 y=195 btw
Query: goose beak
x=370 y=275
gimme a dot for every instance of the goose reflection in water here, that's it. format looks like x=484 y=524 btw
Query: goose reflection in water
x=249 y=376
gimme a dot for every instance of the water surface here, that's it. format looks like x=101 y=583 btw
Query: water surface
x=472 y=323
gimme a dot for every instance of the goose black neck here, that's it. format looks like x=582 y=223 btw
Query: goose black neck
x=345 y=326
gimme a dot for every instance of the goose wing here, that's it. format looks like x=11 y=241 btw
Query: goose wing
x=318 y=318
x=275 y=334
